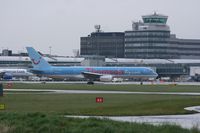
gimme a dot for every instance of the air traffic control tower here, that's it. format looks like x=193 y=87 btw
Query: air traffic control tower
x=154 y=22
x=148 y=39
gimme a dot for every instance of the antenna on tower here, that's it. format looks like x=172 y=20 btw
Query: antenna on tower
x=97 y=28
x=154 y=12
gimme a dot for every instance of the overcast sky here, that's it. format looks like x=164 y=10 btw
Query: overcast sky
x=61 y=23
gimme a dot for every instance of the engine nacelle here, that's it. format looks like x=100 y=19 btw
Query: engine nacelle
x=7 y=76
x=106 y=78
x=117 y=80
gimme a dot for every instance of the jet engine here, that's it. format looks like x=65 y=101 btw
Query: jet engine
x=7 y=76
x=106 y=78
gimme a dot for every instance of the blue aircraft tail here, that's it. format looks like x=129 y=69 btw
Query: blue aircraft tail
x=37 y=60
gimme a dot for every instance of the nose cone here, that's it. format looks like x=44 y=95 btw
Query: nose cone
x=155 y=74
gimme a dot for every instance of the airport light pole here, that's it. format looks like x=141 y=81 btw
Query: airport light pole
x=50 y=50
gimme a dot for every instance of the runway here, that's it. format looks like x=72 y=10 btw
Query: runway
x=106 y=83
x=44 y=91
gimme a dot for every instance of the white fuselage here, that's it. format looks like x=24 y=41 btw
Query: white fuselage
x=16 y=72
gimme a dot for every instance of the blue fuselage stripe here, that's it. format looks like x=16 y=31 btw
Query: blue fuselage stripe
x=123 y=71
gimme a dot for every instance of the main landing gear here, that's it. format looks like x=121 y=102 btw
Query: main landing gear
x=90 y=82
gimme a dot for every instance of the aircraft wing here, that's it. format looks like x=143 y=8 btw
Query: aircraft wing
x=35 y=70
x=90 y=75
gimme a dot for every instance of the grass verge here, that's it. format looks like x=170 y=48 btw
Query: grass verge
x=42 y=123
x=85 y=104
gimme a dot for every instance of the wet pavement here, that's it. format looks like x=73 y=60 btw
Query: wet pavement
x=185 y=121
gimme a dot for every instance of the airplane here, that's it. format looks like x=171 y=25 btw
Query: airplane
x=42 y=68
x=8 y=74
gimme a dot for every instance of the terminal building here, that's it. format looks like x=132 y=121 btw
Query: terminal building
x=150 y=38
x=108 y=44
